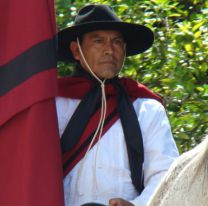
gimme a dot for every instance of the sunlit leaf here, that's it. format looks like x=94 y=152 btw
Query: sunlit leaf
x=197 y=26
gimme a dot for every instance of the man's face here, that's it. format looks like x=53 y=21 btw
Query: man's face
x=104 y=51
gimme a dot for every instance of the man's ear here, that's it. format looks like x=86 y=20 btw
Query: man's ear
x=74 y=49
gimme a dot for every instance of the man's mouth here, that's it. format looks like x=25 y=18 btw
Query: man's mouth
x=108 y=62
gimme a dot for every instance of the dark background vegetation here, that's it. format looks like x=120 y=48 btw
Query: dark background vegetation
x=176 y=67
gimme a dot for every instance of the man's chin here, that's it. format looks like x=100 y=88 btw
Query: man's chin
x=108 y=73
x=108 y=76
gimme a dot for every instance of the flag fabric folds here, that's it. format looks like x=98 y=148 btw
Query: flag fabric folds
x=30 y=156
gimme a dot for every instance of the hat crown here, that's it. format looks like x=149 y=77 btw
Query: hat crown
x=96 y=13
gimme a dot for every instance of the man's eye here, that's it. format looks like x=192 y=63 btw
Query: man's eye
x=119 y=42
x=98 y=41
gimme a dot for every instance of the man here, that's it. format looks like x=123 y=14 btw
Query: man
x=115 y=135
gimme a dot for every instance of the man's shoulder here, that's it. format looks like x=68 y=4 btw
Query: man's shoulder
x=138 y=90
x=148 y=106
x=149 y=102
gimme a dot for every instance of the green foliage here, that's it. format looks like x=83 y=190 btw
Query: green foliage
x=176 y=67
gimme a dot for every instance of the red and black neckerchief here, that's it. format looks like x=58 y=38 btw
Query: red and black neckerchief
x=120 y=93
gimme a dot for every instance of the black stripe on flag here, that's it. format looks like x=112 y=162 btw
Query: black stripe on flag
x=38 y=58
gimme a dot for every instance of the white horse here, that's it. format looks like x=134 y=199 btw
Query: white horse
x=186 y=182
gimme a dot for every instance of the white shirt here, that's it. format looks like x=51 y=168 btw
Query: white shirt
x=105 y=173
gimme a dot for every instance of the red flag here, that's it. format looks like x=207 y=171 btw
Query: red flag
x=30 y=156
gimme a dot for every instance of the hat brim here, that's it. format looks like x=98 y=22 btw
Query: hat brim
x=138 y=38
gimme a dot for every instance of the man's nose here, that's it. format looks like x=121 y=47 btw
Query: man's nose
x=108 y=50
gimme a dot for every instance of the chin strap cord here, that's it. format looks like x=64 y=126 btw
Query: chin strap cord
x=100 y=123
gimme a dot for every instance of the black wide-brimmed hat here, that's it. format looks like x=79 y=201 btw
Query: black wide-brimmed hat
x=138 y=38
